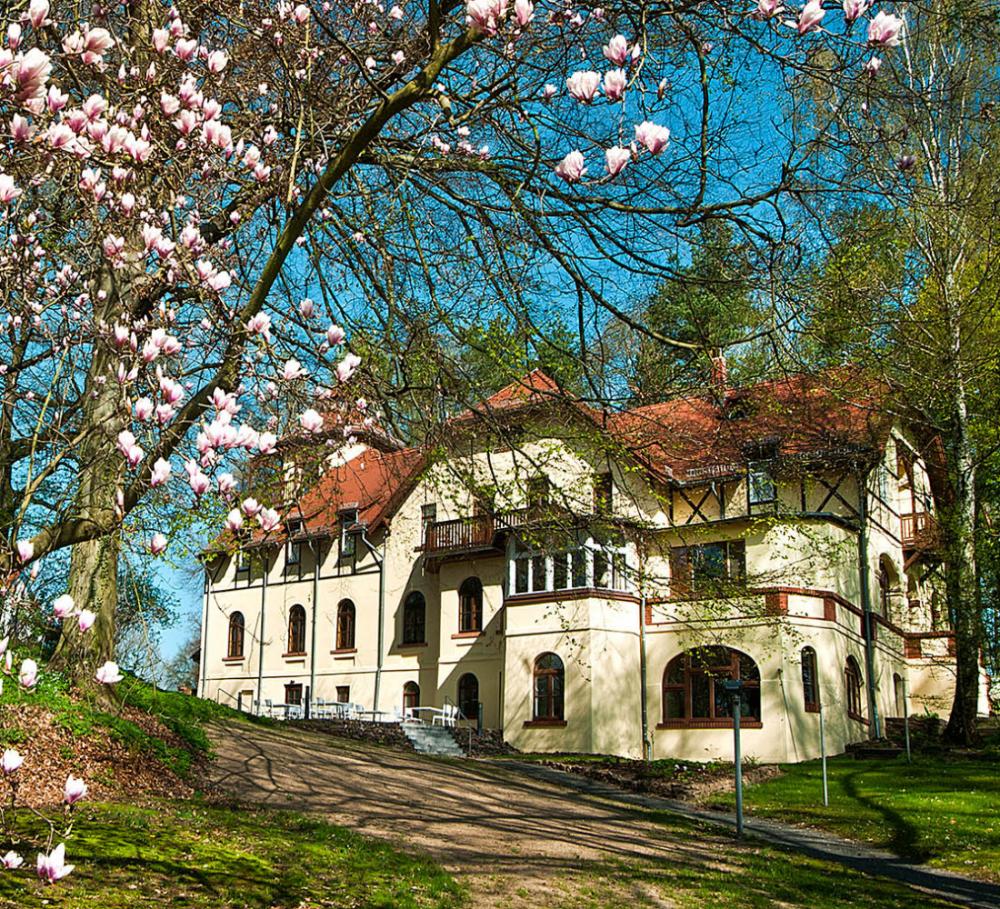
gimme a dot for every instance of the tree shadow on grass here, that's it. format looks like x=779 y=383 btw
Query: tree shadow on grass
x=904 y=838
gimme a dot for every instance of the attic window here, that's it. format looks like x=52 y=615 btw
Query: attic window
x=293 y=548
x=760 y=482
x=348 y=532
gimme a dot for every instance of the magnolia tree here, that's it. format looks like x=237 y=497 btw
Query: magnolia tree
x=178 y=179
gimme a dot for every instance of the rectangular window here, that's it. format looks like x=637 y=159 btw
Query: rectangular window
x=560 y=573
x=343 y=694
x=538 y=572
x=708 y=567
x=603 y=494
x=428 y=515
x=579 y=559
x=521 y=575
x=242 y=563
x=760 y=480
x=293 y=548
x=293 y=693
x=348 y=533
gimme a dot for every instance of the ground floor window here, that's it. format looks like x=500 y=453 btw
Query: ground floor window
x=852 y=678
x=549 y=679
x=343 y=694
x=468 y=696
x=411 y=696
x=694 y=692
x=293 y=693
x=810 y=680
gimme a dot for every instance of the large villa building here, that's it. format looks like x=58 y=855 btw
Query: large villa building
x=587 y=581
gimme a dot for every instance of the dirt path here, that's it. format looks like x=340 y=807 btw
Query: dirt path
x=511 y=839
x=517 y=837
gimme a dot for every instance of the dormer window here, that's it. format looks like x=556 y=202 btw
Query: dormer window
x=760 y=482
x=348 y=532
x=293 y=548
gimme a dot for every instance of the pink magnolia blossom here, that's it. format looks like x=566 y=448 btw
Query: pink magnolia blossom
x=74 y=790
x=143 y=409
x=161 y=472
x=811 y=16
x=251 y=507
x=199 y=483
x=28 y=676
x=63 y=606
x=25 y=550
x=234 y=521
x=311 y=421
x=616 y=50
x=653 y=136
x=11 y=761
x=85 y=619
x=186 y=49
x=11 y=861
x=267 y=443
x=38 y=12
x=307 y=308
x=217 y=61
x=348 y=366
x=161 y=37
x=301 y=13
x=53 y=867
x=768 y=9
x=260 y=324
x=20 y=129
x=335 y=335
x=872 y=66
x=227 y=483
x=616 y=158
x=854 y=9
x=292 y=370
x=8 y=189
x=486 y=15
x=269 y=519
x=108 y=674
x=583 y=85
x=572 y=167
x=524 y=12
x=614 y=84
x=885 y=30
x=158 y=544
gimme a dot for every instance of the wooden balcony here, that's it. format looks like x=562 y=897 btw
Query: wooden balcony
x=919 y=531
x=481 y=531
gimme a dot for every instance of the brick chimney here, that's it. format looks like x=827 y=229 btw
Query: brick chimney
x=718 y=373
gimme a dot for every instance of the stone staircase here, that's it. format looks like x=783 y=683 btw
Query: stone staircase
x=432 y=740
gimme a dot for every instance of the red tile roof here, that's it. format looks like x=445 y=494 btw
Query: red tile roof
x=373 y=483
x=534 y=388
x=702 y=435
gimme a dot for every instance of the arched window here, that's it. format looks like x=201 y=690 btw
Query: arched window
x=414 y=618
x=886 y=584
x=468 y=696
x=296 y=629
x=470 y=606
x=236 y=628
x=694 y=692
x=345 y=625
x=411 y=696
x=810 y=680
x=852 y=677
x=550 y=678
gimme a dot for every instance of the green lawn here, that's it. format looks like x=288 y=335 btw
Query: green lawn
x=938 y=810
x=190 y=855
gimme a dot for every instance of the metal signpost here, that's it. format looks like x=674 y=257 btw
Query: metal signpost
x=822 y=748
x=735 y=689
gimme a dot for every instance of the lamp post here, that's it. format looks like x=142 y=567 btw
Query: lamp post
x=735 y=689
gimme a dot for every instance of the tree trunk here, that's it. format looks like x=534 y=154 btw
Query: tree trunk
x=960 y=570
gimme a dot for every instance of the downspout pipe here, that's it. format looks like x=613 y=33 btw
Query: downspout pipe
x=380 y=561
x=866 y=604
x=260 y=641
x=202 y=658
x=315 y=617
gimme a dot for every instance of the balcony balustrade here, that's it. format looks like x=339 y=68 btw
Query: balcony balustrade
x=918 y=530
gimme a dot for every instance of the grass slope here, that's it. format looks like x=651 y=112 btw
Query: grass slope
x=938 y=810
x=197 y=856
